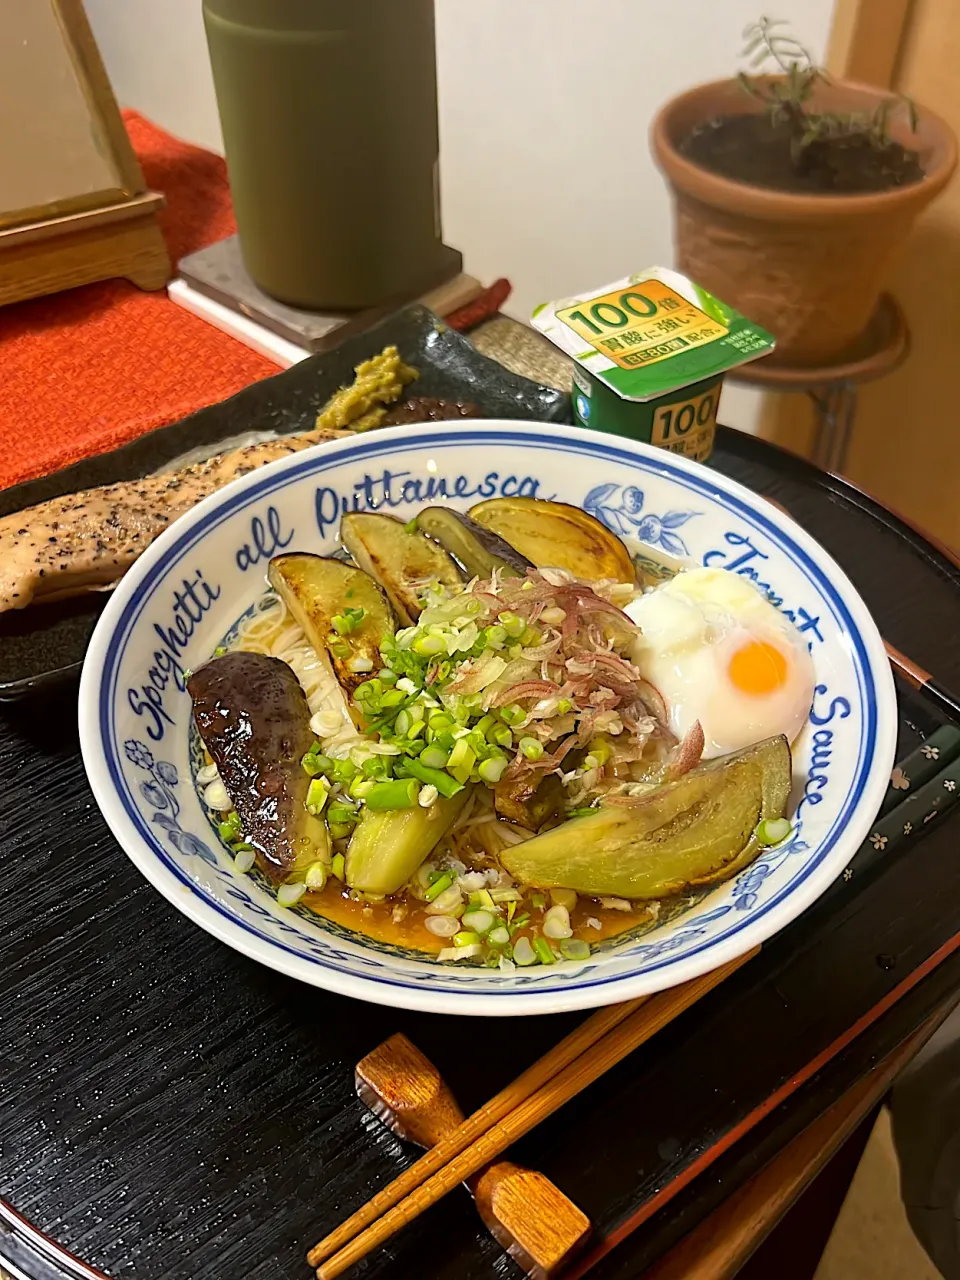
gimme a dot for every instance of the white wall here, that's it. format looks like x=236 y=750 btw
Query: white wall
x=545 y=107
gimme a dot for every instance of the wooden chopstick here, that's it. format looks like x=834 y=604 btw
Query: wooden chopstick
x=915 y=676
x=923 y=681
x=560 y=1056
x=622 y=1036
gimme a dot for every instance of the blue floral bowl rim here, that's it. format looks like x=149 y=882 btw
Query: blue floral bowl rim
x=141 y=845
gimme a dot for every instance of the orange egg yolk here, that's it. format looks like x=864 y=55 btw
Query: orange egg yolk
x=758 y=668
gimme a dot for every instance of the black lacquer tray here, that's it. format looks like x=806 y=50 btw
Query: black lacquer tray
x=40 y=646
x=171 y=1111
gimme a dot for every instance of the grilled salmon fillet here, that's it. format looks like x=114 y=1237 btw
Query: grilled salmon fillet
x=90 y=539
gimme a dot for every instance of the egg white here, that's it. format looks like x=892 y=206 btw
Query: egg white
x=691 y=627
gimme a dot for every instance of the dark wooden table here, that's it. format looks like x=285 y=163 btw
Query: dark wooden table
x=172 y=1111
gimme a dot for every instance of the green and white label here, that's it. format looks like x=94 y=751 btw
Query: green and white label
x=651 y=334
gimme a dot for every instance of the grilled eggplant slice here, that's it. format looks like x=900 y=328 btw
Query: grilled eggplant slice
x=477 y=550
x=530 y=801
x=341 y=609
x=388 y=848
x=554 y=535
x=690 y=833
x=403 y=561
x=254 y=720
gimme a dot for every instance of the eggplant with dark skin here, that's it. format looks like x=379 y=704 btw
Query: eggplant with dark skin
x=254 y=720
x=531 y=801
x=402 y=560
x=556 y=535
x=694 y=832
x=342 y=610
x=477 y=550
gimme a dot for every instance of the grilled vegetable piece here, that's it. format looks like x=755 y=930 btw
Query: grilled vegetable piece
x=254 y=720
x=477 y=550
x=404 y=562
x=388 y=848
x=341 y=609
x=696 y=831
x=529 y=801
x=555 y=535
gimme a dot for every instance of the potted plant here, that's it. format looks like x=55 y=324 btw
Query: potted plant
x=794 y=192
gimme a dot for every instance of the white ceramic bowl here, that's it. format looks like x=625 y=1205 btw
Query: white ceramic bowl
x=181 y=598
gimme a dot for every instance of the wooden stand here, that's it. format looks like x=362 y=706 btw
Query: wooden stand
x=833 y=388
x=524 y=1212
x=122 y=240
x=76 y=208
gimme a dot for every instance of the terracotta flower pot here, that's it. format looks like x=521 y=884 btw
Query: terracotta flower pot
x=810 y=268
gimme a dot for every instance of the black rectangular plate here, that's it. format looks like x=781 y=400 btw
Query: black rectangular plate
x=47 y=643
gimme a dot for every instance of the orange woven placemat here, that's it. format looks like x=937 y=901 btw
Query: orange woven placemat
x=87 y=370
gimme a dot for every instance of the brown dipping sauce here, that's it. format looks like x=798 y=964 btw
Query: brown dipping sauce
x=376 y=919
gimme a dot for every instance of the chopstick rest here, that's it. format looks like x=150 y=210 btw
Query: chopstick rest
x=908 y=820
x=526 y=1214
x=911 y=773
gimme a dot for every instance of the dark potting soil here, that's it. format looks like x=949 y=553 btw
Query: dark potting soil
x=751 y=148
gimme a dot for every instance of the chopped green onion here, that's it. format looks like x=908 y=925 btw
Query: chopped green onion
x=481 y=899
x=480 y=921
x=511 y=895
x=411 y=526
x=393 y=698
x=349 y=620
x=492 y=770
x=399 y=793
x=288 y=895
x=574 y=949
x=317 y=793
x=344 y=771
x=532 y=748
x=229 y=829
x=556 y=923
x=361 y=787
x=512 y=714
x=311 y=766
x=502 y=736
x=523 y=952
x=341 y=815
x=495 y=637
x=376 y=767
x=387 y=676
x=773 y=831
x=544 y=951
x=462 y=759
x=244 y=859
x=563 y=706
x=429 y=646
x=338 y=866
x=466 y=938
x=499 y=936
x=316 y=876
x=434 y=757
x=339 y=831
x=428 y=796
x=444 y=881
x=513 y=625
x=538 y=901
x=443 y=782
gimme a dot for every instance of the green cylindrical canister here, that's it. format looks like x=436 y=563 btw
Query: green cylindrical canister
x=683 y=421
x=649 y=356
x=329 y=114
